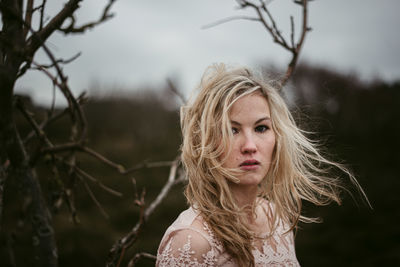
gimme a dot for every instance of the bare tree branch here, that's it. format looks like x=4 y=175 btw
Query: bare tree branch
x=75 y=109
x=42 y=8
x=118 y=250
x=58 y=61
x=272 y=29
x=229 y=19
x=139 y=256
x=172 y=178
x=69 y=196
x=292 y=31
x=28 y=116
x=82 y=173
x=45 y=140
x=81 y=29
x=265 y=17
x=275 y=31
x=175 y=90
x=146 y=165
x=28 y=16
x=45 y=123
x=37 y=40
x=52 y=117
x=76 y=113
x=298 y=46
x=19 y=43
x=103 y=159
x=11 y=146
x=93 y=197
x=118 y=167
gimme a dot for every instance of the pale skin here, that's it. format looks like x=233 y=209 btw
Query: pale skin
x=251 y=149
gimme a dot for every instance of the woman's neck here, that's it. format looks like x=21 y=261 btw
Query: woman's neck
x=245 y=195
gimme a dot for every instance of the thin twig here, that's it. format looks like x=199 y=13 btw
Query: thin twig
x=72 y=102
x=135 y=192
x=69 y=197
x=51 y=117
x=71 y=28
x=97 y=182
x=146 y=165
x=292 y=31
x=28 y=16
x=45 y=123
x=42 y=7
x=28 y=116
x=53 y=103
x=62 y=85
x=139 y=256
x=228 y=19
x=93 y=197
x=68 y=193
x=58 y=61
x=276 y=31
x=100 y=157
x=272 y=29
x=61 y=148
x=296 y=49
x=175 y=90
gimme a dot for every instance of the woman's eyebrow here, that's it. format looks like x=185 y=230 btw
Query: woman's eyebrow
x=258 y=121
x=263 y=119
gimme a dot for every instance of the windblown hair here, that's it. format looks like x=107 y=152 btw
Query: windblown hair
x=298 y=170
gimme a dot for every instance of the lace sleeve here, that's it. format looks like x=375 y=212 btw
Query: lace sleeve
x=186 y=247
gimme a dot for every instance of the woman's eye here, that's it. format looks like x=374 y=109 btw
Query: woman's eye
x=234 y=130
x=261 y=128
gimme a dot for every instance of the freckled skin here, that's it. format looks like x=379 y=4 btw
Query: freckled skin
x=253 y=139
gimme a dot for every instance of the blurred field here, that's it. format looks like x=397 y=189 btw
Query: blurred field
x=358 y=122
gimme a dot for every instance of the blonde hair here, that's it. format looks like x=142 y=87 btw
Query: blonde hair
x=298 y=171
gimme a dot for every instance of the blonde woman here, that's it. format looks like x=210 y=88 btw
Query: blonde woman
x=249 y=168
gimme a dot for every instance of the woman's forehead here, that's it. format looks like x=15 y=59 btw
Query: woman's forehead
x=249 y=106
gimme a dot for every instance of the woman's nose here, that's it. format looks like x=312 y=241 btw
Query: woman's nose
x=248 y=145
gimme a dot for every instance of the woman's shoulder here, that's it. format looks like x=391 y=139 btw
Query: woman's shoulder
x=189 y=223
x=187 y=241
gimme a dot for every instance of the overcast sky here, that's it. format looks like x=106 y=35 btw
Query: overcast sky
x=150 y=40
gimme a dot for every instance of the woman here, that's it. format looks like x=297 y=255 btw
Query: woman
x=249 y=168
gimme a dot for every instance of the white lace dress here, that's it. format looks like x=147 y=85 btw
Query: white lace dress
x=190 y=242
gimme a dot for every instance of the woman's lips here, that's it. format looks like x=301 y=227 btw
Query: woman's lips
x=249 y=165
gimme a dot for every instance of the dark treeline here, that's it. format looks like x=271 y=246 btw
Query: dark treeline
x=360 y=122
x=357 y=121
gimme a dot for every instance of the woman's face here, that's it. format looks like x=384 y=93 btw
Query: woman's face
x=253 y=138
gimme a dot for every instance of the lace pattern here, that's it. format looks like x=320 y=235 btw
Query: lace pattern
x=185 y=257
x=188 y=244
x=277 y=251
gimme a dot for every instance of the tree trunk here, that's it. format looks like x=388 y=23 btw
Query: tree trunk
x=12 y=150
x=19 y=169
x=39 y=214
